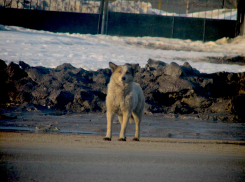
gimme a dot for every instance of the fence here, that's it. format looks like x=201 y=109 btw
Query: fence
x=188 y=19
x=212 y=9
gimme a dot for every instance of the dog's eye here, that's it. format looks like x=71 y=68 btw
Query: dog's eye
x=119 y=72
x=127 y=72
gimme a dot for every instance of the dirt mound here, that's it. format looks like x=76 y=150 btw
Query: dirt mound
x=168 y=88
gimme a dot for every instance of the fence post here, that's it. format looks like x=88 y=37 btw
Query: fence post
x=100 y=15
x=104 y=17
x=241 y=17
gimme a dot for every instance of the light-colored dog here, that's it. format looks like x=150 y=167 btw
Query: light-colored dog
x=125 y=99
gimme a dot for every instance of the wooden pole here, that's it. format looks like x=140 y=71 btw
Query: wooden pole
x=104 y=17
x=159 y=4
x=100 y=16
x=187 y=7
x=241 y=17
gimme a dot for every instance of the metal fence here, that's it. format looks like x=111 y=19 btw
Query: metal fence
x=211 y=9
x=205 y=20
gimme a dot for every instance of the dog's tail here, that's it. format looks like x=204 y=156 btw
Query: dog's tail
x=131 y=119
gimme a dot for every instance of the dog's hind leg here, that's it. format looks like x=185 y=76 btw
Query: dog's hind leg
x=110 y=117
x=137 y=127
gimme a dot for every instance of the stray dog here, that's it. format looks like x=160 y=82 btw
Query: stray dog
x=125 y=99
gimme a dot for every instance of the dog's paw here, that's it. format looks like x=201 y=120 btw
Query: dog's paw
x=122 y=139
x=107 y=139
x=136 y=139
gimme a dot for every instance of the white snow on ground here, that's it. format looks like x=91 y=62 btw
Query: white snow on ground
x=91 y=52
x=224 y=45
x=227 y=14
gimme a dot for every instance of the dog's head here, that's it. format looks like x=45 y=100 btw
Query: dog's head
x=123 y=73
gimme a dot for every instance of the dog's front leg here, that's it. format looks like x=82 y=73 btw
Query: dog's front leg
x=110 y=116
x=124 y=123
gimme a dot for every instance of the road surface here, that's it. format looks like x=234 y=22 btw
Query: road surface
x=58 y=157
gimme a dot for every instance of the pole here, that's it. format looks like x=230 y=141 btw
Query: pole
x=100 y=16
x=104 y=17
x=159 y=4
x=241 y=17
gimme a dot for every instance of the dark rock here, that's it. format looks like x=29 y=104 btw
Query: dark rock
x=23 y=65
x=2 y=65
x=14 y=71
x=151 y=63
x=188 y=70
x=173 y=70
x=181 y=108
x=187 y=65
x=61 y=98
x=174 y=84
x=37 y=73
x=2 y=117
x=197 y=101
x=65 y=67
x=168 y=88
x=3 y=83
x=237 y=107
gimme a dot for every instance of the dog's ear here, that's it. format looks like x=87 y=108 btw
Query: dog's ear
x=135 y=68
x=112 y=66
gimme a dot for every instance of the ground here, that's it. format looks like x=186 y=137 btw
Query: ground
x=157 y=125
x=51 y=157
x=70 y=147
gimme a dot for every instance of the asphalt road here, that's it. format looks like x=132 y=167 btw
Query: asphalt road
x=94 y=165
x=96 y=160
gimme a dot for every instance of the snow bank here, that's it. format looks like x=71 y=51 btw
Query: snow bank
x=227 y=14
x=91 y=52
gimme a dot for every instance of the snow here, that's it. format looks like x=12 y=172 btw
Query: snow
x=91 y=52
x=226 y=14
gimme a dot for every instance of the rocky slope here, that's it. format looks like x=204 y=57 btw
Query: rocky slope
x=168 y=89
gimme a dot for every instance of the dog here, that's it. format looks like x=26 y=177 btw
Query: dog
x=125 y=98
